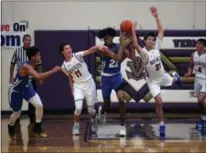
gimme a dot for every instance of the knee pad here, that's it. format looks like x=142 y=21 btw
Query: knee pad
x=36 y=102
x=91 y=110
x=78 y=107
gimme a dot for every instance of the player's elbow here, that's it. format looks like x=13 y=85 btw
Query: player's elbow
x=38 y=77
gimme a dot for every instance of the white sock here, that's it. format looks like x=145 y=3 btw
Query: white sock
x=161 y=123
x=203 y=117
x=76 y=123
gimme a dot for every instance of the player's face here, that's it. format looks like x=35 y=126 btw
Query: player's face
x=67 y=51
x=199 y=46
x=27 y=41
x=37 y=58
x=108 y=40
x=150 y=42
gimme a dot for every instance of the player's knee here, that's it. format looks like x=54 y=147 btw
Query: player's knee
x=158 y=100
x=120 y=96
x=78 y=110
x=201 y=101
x=91 y=110
x=36 y=102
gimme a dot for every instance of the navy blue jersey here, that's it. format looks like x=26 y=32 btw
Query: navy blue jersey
x=111 y=66
x=21 y=83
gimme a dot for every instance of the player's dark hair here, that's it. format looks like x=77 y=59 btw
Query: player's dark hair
x=61 y=46
x=32 y=51
x=150 y=34
x=26 y=35
x=107 y=31
x=201 y=40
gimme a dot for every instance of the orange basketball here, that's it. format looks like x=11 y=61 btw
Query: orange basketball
x=126 y=26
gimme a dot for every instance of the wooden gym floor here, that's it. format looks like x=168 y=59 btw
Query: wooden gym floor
x=142 y=135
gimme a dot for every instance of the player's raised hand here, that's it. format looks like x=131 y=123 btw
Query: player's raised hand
x=134 y=24
x=56 y=69
x=124 y=39
x=154 y=12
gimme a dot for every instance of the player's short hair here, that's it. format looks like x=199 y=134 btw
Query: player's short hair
x=61 y=46
x=150 y=34
x=32 y=51
x=107 y=31
x=26 y=35
x=201 y=40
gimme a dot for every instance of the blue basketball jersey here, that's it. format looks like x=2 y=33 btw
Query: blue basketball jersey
x=110 y=65
x=21 y=83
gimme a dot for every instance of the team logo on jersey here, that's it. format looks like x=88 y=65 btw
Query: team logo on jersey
x=75 y=67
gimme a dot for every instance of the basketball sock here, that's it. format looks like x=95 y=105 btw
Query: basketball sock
x=161 y=123
x=76 y=123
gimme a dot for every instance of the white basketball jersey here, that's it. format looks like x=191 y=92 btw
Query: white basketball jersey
x=154 y=67
x=199 y=65
x=77 y=68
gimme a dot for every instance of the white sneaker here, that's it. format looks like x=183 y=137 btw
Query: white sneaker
x=122 y=132
x=102 y=118
x=94 y=124
x=75 y=130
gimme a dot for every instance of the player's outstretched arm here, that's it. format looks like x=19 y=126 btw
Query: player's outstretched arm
x=39 y=76
x=94 y=49
x=154 y=12
x=191 y=66
x=124 y=41
x=143 y=54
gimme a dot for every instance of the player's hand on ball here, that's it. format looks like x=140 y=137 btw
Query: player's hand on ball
x=124 y=41
x=56 y=68
x=134 y=25
x=153 y=10
x=103 y=48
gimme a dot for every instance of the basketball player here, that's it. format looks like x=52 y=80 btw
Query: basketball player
x=157 y=76
x=22 y=89
x=198 y=67
x=111 y=78
x=81 y=82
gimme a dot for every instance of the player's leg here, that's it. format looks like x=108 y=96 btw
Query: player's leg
x=106 y=92
x=91 y=98
x=122 y=112
x=119 y=88
x=78 y=100
x=36 y=102
x=31 y=108
x=200 y=92
x=156 y=93
x=15 y=100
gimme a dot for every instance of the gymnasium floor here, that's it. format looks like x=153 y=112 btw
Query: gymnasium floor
x=142 y=135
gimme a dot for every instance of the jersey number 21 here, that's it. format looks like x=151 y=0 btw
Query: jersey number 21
x=113 y=64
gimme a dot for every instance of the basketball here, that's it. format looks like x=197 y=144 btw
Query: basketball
x=126 y=26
